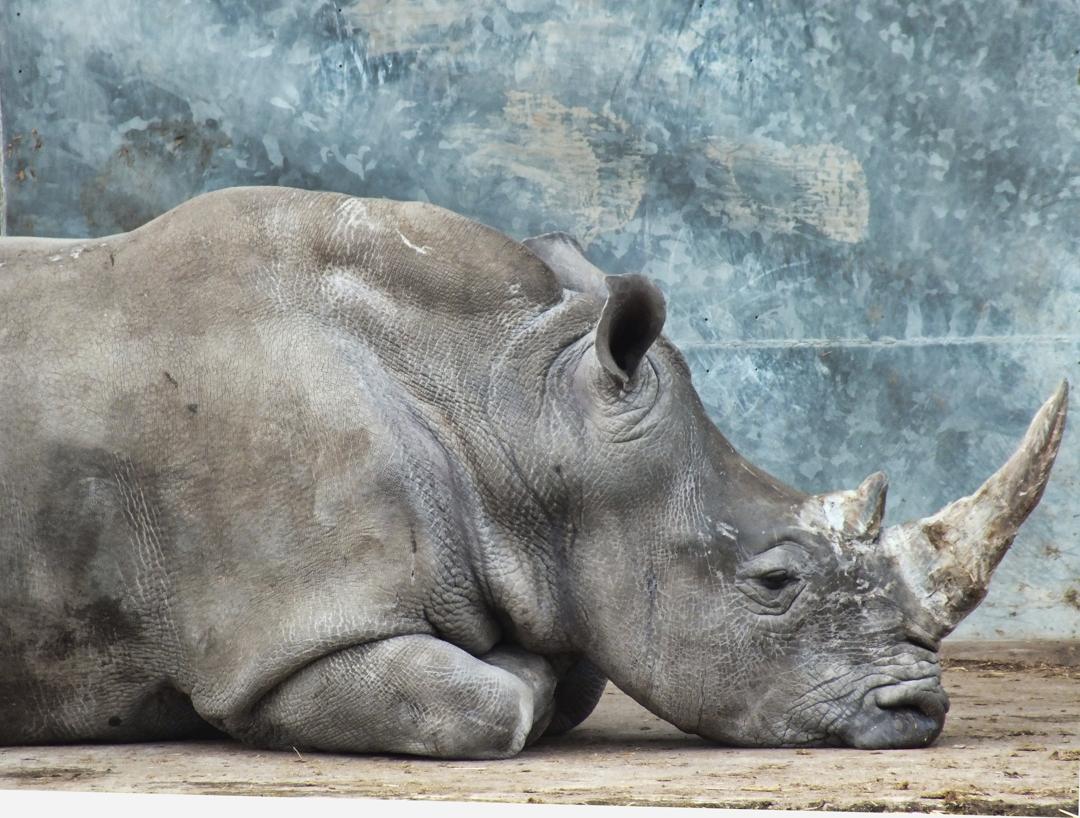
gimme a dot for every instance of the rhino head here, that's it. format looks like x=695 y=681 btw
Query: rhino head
x=737 y=607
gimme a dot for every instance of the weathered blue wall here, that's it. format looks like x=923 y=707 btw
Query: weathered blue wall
x=864 y=214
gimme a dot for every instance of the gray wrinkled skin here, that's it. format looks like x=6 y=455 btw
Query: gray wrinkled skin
x=364 y=475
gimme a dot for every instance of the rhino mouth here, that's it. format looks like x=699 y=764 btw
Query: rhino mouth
x=900 y=715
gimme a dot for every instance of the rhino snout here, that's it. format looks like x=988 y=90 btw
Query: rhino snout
x=900 y=715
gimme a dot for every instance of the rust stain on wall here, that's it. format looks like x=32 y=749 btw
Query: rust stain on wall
x=1072 y=598
x=164 y=159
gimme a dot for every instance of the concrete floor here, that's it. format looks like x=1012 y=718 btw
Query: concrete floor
x=1011 y=746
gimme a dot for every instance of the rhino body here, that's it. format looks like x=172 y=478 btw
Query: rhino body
x=363 y=475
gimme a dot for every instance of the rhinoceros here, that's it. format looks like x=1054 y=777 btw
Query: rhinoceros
x=364 y=475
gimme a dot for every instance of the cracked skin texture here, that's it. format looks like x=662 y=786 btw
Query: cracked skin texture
x=351 y=475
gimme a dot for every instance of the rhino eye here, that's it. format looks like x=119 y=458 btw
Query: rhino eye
x=776 y=580
x=773 y=580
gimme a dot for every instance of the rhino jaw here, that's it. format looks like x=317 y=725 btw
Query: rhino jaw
x=946 y=559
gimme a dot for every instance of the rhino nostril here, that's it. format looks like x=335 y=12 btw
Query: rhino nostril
x=911 y=718
x=930 y=702
x=900 y=715
x=923 y=641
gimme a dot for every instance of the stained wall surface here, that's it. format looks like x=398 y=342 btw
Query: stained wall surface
x=864 y=214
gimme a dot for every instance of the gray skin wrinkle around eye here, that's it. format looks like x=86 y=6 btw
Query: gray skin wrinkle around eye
x=351 y=475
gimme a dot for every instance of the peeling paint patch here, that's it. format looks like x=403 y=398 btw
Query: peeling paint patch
x=415 y=24
x=584 y=166
x=773 y=187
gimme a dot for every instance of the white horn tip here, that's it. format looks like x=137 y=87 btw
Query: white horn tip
x=1050 y=419
x=1060 y=399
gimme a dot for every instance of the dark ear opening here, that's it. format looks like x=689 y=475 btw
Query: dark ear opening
x=631 y=321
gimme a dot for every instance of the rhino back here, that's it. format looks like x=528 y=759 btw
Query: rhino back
x=229 y=448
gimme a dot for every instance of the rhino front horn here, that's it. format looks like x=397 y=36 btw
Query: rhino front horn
x=947 y=558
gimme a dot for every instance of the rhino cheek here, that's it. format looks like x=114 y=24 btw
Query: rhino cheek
x=669 y=646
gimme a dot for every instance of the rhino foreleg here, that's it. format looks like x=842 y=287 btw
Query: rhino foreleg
x=409 y=694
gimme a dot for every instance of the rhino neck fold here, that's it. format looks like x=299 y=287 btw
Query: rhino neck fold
x=526 y=522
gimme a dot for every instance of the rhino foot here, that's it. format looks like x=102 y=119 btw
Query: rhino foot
x=409 y=694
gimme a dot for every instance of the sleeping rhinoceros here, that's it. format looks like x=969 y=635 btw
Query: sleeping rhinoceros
x=364 y=475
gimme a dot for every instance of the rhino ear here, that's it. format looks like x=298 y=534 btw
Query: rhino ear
x=563 y=255
x=632 y=319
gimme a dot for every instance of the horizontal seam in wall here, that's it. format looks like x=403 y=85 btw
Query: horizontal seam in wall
x=885 y=343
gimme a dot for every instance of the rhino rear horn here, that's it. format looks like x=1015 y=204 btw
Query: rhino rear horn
x=858 y=513
x=564 y=256
x=947 y=558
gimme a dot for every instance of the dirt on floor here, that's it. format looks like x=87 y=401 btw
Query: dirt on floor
x=1011 y=746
